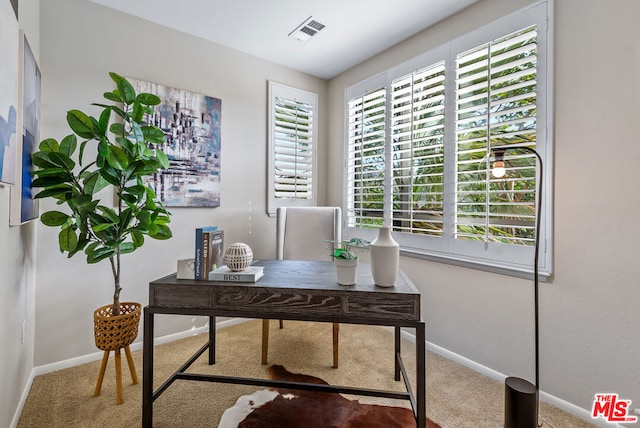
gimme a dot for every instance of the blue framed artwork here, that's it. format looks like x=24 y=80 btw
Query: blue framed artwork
x=192 y=125
x=30 y=107
x=8 y=92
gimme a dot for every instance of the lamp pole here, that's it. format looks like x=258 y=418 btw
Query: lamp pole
x=519 y=412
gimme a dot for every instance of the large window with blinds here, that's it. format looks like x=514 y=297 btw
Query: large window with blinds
x=421 y=138
x=292 y=147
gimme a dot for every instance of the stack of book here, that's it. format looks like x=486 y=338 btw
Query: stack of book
x=250 y=274
x=209 y=251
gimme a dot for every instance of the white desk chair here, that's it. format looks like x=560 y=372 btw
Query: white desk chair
x=301 y=233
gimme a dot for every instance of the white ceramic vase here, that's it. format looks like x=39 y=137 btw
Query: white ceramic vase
x=346 y=271
x=385 y=258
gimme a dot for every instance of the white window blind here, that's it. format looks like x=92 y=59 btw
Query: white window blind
x=419 y=146
x=418 y=151
x=292 y=147
x=366 y=135
x=496 y=107
x=293 y=155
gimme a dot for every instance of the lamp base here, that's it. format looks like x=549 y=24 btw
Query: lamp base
x=520 y=403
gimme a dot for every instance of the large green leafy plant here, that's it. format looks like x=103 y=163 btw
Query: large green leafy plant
x=125 y=154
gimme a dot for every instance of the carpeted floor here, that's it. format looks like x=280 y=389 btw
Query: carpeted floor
x=457 y=397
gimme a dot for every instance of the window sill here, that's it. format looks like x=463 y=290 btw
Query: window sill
x=527 y=273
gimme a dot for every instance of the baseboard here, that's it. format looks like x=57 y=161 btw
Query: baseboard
x=493 y=374
x=71 y=362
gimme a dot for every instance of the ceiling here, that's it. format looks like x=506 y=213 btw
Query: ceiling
x=355 y=29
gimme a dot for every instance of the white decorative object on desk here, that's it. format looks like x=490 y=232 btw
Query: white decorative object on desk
x=238 y=256
x=385 y=258
x=186 y=269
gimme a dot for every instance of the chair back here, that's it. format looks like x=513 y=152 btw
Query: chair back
x=301 y=232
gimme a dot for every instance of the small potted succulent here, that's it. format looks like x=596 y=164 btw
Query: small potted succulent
x=343 y=253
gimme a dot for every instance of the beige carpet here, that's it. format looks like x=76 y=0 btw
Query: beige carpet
x=457 y=397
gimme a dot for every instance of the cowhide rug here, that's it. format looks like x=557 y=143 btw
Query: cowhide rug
x=287 y=408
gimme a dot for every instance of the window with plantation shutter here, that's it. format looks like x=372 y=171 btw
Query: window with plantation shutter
x=496 y=107
x=419 y=140
x=417 y=143
x=366 y=131
x=292 y=147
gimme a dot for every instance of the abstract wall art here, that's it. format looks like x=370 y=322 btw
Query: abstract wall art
x=31 y=81
x=192 y=124
x=8 y=92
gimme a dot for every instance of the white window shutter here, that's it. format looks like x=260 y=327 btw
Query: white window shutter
x=496 y=107
x=418 y=102
x=366 y=134
x=292 y=147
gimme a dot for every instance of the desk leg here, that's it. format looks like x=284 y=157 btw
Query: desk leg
x=397 y=363
x=421 y=373
x=147 y=370
x=212 y=340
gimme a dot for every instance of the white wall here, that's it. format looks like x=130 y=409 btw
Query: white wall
x=17 y=268
x=590 y=319
x=82 y=42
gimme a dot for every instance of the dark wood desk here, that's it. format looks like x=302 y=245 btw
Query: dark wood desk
x=289 y=290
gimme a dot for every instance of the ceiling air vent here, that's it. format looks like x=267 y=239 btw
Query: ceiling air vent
x=309 y=28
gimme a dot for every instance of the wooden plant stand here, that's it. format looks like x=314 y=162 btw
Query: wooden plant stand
x=103 y=368
x=114 y=333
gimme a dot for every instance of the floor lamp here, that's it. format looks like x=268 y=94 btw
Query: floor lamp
x=521 y=397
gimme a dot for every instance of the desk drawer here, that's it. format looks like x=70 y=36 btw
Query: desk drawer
x=387 y=308
x=286 y=301
x=180 y=296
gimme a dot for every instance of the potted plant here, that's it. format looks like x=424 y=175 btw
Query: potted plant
x=125 y=153
x=346 y=260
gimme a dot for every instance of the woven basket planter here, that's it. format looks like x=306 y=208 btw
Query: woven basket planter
x=116 y=332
